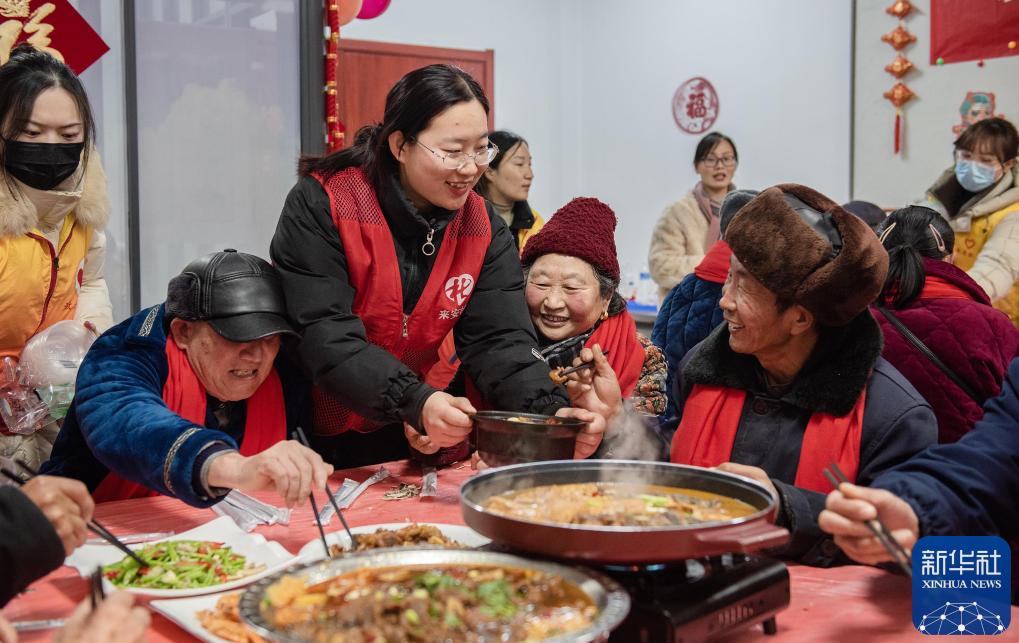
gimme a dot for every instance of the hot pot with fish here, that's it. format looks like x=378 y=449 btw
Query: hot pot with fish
x=620 y=511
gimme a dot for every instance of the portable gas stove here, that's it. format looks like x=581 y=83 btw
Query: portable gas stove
x=699 y=600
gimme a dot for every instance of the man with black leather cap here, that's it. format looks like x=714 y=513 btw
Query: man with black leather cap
x=188 y=399
x=794 y=380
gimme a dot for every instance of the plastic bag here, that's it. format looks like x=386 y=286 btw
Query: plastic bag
x=50 y=360
x=22 y=411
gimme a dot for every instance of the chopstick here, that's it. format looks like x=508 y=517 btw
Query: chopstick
x=93 y=525
x=578 y=367
x=321 y=532
x=878 y=528
x=329 y=494
x=95 y=590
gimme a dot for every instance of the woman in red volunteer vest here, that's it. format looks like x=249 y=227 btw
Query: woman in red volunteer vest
x=384 y=248
x=949 y=313
x=794 y=380
x=187 y=398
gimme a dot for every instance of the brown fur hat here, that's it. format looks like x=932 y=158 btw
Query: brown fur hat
x=807 y=249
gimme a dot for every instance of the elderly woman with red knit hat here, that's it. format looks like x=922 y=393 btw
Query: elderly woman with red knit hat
x=794 y=380
x=572 y=274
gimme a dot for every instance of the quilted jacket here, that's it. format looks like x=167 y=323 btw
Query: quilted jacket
x=973 y=339
x=688 y=314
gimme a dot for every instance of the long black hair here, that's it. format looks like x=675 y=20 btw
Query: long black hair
x=710 y=142
x=25 y=75
x=411 y=104
x=909 y=234
x=505 y=141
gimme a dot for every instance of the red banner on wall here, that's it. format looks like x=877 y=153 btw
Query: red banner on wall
x=973 y=29
x=53 y=26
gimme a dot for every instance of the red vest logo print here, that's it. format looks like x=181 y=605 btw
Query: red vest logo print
x=459 y=288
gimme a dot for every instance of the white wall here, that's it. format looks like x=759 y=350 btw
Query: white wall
x=781 y=69
x=880 y=175
x=590 y=82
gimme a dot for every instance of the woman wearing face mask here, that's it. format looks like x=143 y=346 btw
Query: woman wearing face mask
x=980 y=198
x=506 y=184
x=53 y=207
x=384 y=249
x=689 y=226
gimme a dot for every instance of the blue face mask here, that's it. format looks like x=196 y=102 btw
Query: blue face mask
x=974 y=176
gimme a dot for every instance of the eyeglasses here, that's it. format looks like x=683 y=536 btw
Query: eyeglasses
x=983 y=159
x=456 y=160
x=715 y=161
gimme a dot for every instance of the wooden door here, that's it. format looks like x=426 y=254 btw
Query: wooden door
x=366 y=70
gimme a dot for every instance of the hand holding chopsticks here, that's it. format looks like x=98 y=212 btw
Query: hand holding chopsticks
x=329 y=493
x=843 y=511
x=69 y=504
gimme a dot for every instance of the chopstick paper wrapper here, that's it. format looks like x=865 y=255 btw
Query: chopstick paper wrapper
x=429 y=482
x=249 y=512
x=345 y=489
x=327 y=513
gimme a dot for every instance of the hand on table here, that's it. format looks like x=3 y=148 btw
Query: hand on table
x=418 y=441
x=595 y=389
x=116 y=620
x=7 y=633
x=66 y=504
x=754 y=473
x=445 y=419
x=849 y=506
x=289 y=467
x=477 y=463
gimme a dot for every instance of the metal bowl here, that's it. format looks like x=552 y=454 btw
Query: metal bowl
x=504 y=439
x=612 y=601
x=622 y=544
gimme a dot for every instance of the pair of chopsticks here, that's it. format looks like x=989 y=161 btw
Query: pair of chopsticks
x=314 y=507
x=884 y=536
x=93 y=524
x=579 y=367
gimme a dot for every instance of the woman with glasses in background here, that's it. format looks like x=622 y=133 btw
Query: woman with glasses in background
x=979 y=196
x=689 y=226
x=385 y=248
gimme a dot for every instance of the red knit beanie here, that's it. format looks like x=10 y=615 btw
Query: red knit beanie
x=584 y=228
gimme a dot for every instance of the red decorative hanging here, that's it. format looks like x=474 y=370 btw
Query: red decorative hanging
x=900 y=9
x=899 y=38
x=899 y=94
x=898 y=131
x=338 y=13
x=899 y=67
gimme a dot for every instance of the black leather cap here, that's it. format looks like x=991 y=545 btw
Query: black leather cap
x=240 y=295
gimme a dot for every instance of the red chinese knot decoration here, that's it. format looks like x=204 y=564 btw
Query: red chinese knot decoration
x=695 y=106
x=900 y=9
x=899 y=38
x=338 y=13
x=54 y=27
x=899 y=67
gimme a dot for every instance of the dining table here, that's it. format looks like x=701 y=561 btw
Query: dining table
x=826 y=604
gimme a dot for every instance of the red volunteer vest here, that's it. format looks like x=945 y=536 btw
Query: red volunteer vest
x=374 y=273
x=264 y=426
x=711 y=418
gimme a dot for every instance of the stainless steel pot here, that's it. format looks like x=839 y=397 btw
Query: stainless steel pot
x=592 y=543
x=612 y=602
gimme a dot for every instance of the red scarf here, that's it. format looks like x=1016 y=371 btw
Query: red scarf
x=715 y=265
x=374 y=272
x=183 y=393
x=711 y=418
x=937 y=288
x=618 y=334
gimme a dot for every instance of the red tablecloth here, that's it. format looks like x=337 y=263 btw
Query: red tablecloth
x=827 y=604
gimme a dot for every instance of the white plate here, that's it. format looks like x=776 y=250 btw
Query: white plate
x=312 y=550
x=184 y=612
x=256 y=549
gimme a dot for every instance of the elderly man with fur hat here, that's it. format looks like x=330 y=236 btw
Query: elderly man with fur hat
x=794 y=380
